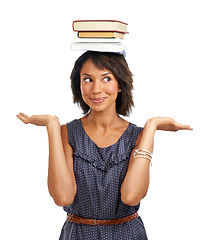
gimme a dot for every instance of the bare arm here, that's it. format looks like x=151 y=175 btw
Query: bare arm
x=136 y=182
x=61 y=179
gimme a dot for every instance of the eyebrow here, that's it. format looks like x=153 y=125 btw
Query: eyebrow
x=106 y=73
x=86 y=75
x=91 y=75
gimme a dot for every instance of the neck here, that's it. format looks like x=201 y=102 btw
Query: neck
x=102 y=119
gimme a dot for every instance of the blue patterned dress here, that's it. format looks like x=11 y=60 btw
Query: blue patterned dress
x=99 y=173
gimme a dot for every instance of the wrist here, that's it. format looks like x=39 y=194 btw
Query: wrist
x=53 y=123
x=151 y=125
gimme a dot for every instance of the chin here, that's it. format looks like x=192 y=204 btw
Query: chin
x=97 y=109
x=103 y=108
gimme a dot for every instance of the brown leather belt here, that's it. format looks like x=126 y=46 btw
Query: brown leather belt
x=76 y=219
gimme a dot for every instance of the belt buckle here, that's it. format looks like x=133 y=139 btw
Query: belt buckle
x=69 y=216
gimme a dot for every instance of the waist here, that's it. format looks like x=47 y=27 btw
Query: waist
x=88 y=221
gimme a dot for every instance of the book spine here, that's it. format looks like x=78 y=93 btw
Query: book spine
x=99 y=31
x=100 y=21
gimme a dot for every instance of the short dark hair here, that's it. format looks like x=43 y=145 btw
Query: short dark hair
x=114 y=62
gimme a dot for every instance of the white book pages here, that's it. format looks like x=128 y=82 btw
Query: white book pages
x=115 y=40
x=99 y=46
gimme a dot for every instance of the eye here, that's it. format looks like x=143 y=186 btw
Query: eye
x=106 y=79
x=87 y=79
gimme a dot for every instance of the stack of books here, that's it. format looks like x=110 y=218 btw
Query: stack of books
x=100 y=35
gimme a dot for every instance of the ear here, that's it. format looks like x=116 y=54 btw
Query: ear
x=119 y=88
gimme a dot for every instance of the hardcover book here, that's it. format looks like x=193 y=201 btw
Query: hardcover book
x=99 y=25
x=101 y=35
x=99 y=46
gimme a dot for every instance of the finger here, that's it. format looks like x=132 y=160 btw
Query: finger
x=24 y=115
x=55 y=116
x=21 y=118
x=185 y=127
x=189 y=128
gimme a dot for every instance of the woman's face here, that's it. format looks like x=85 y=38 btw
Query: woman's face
x=99 y=88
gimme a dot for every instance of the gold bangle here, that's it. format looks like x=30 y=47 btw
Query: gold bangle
x=143 y=156
x=137 y=151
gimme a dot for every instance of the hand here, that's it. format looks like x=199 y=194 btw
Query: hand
x=38 y=120
x=168 y=124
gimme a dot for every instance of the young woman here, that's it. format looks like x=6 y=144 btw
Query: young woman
x=99 y=164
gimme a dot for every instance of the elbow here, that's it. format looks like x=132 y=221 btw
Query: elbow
x=63 y=202
x=66 y=199
x=130 y=200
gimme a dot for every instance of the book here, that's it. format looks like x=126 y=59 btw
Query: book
x=99 y=25
x=99 y=46
x=100 y=35
x=108 y=40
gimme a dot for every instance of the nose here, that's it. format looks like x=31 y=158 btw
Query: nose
x=97 y=87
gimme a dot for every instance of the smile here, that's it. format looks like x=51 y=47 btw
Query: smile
x=98 y=100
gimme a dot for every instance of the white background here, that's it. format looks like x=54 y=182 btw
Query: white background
x=167 y=55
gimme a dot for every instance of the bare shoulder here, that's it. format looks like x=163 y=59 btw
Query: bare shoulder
x=68 y=151
x=64 y=136
x=139 y=138
x=64 y=132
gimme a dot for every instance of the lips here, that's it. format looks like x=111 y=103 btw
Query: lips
x=98 y=100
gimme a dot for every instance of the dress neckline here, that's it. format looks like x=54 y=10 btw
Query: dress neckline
x=80 y=121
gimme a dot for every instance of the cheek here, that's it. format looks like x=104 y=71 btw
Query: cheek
x=112 y=89
x=84 y=92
